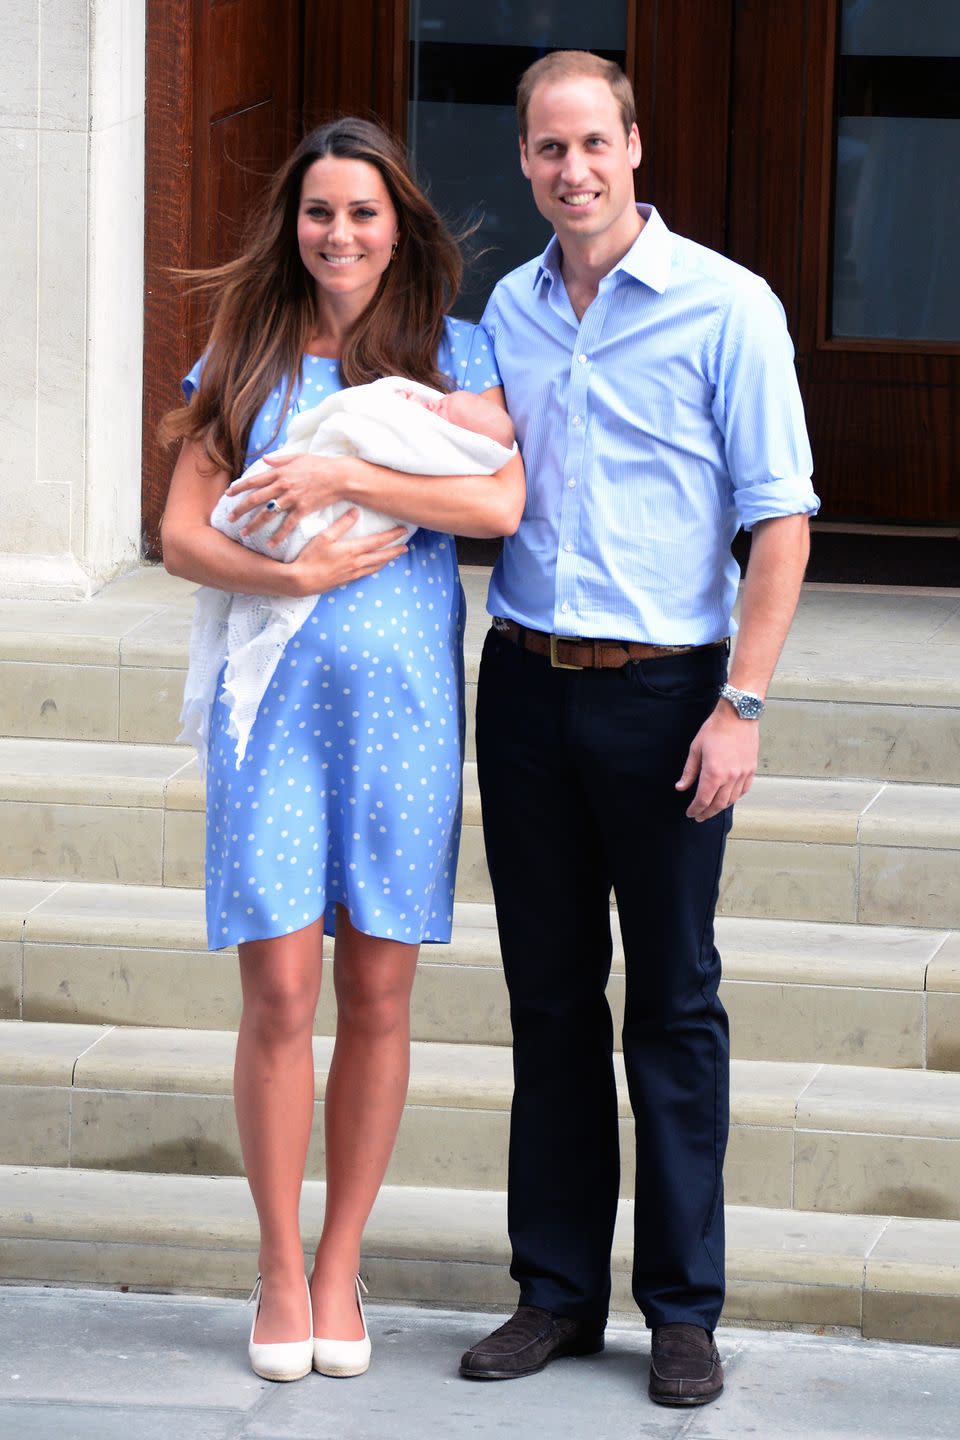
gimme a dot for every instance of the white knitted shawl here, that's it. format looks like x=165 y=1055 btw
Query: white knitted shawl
x=249 y=632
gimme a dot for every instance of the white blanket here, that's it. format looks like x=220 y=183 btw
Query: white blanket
x=249 y=632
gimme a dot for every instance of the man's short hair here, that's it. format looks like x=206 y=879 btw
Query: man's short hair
x=574 y=64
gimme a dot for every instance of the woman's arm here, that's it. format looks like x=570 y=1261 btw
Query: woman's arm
x=194 y=550
x=480 y=506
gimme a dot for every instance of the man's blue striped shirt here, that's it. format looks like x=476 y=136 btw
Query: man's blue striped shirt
x=651 y=430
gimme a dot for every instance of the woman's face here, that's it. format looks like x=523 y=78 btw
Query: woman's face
x=346 y=228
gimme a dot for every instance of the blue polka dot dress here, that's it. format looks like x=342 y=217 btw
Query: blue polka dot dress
x=350 y=790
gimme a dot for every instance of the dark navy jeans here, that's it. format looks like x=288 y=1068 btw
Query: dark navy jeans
x=577 y=772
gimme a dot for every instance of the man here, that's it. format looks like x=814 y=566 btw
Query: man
x=652 y=386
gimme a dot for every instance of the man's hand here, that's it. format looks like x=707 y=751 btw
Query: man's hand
x=725 y=748
x=724 y=754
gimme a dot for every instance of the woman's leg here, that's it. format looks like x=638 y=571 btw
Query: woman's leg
x=366 y=1090
x=274 y=1093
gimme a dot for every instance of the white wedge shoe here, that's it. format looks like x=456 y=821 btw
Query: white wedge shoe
x=341 y=1358
x=286 y=1360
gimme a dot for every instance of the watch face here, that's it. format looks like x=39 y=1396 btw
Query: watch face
x=749 y=707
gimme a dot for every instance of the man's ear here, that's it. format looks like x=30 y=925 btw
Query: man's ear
x=634 y=148
x=523 y=158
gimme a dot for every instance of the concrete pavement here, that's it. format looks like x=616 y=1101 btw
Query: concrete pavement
x=100 y=1365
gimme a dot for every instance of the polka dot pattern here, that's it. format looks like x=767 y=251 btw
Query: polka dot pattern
x=350 y=791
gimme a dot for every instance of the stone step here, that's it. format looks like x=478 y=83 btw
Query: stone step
x=868 y=684
x=795 y=990
x=110 y=668
x=845 y=1139
x=887 y=1277
x=828 y=850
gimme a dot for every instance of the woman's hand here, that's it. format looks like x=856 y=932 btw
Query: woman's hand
x=333 y=559
x=299 y=484
x=194 y=549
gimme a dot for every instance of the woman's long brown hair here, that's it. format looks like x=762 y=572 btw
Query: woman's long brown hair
x=265 y=307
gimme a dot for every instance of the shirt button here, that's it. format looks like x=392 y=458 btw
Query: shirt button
x=582 y=359
x=571 y=484
x=565 y=606
x=577 y=420
x=568 y=547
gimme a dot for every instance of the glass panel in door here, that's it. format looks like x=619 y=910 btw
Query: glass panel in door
x=896 y=233
x=465 y=62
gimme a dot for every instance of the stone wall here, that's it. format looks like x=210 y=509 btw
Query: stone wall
x=71 y=292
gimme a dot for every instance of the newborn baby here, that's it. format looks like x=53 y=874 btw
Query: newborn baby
x=396 y=423
x=468 y=412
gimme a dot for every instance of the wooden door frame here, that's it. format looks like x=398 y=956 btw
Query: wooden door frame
x=907 y=390
x=168 y=234
x=819 y=204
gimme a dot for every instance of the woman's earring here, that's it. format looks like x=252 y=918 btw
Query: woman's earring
x=393 y=252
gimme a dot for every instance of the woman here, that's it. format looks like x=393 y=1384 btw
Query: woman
x=344 y=814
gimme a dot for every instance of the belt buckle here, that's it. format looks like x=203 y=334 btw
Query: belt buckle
x=554 y=662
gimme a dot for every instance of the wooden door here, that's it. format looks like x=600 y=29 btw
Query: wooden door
x=355 y=60
x=680 y=69
x=737 y=112
x=231 y=85
x=737 y=103
x=223 y=108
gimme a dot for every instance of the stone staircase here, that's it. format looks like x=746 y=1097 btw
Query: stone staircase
x=840 y=931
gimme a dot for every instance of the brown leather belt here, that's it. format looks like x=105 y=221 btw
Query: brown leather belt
x=578 y=654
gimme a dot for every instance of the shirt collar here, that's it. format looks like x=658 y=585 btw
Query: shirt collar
x=648 y=259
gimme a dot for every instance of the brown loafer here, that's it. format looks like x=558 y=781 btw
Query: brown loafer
x=685 y=1366
x=530 y=1339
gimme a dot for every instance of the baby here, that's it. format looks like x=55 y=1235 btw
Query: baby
x=399 y=424
x=305 y=432
x=470 y=412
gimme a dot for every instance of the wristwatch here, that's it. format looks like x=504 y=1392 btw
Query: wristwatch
x=747 y=705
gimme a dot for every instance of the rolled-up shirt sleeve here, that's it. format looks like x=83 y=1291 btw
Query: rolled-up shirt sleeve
x=758 y=410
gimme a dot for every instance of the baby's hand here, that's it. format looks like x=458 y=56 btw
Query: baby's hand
x=434 y=406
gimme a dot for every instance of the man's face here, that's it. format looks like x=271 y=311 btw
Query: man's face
x=579 y=161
